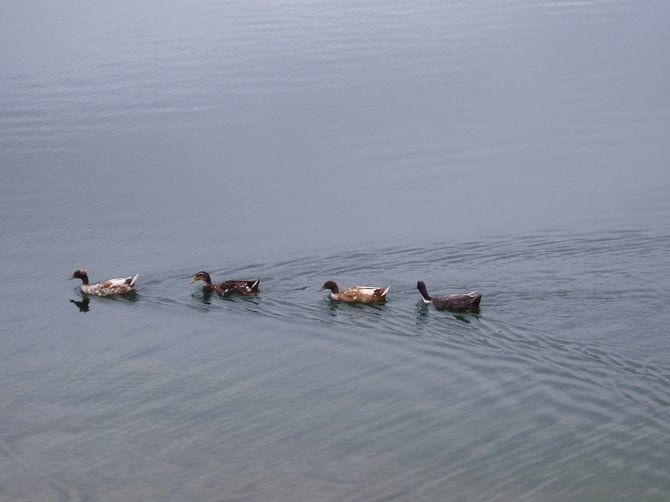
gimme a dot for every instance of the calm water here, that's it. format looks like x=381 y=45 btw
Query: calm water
x=514 y=147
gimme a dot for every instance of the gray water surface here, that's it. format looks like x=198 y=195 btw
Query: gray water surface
x=516 y=148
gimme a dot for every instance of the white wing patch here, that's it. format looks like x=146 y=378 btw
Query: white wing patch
x=117 y=286
x=365 y=290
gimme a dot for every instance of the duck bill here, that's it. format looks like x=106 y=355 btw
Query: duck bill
x=194 y=279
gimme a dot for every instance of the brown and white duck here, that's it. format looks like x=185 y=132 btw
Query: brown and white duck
x=226 y=288
x=356 y=294
x=453 y=302
x=108 y=287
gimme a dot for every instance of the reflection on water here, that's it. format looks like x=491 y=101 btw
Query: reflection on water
x=424 y=314
x=82 y=304
x=465 y=317
x=421 y=312
x=203 y=296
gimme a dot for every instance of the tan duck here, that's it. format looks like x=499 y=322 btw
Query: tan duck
x=226 y=288
x=454 y=302
x=357 y=294
x=109 y=287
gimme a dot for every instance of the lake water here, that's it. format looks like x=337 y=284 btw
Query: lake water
x=519 y=148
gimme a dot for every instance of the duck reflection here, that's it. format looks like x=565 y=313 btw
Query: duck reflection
x=82 y=304
x=204 y=296
x=423 y=314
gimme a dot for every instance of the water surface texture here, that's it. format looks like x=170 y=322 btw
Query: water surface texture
x=518 y=148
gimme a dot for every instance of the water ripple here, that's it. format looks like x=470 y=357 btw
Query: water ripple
x=289 y=292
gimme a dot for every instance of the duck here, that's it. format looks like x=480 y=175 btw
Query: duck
x=356 y=294
x=226 y=288
x=454 y=302
x=108 y=287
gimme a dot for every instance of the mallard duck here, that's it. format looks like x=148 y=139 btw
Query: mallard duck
x=357 y=294
x=105 y=288
x=455 y=302
x=240 y=287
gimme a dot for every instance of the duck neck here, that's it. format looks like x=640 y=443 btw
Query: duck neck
x=424 y=292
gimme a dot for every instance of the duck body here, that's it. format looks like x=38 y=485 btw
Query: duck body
x=109 y=287
x=465 y=301
x=356 y=294
x=227 y=288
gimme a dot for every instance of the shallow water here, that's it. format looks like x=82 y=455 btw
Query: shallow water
x=516 y=148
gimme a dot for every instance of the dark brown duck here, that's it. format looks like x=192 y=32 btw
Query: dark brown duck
x=453 y=302
x=226 y=288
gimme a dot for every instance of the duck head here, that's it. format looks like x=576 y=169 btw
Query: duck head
x=332 y=285
x=202 y=276
x=80 y=274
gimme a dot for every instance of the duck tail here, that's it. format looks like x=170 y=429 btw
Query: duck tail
x=421 y=286
x=253 y=285
x=476 y=298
